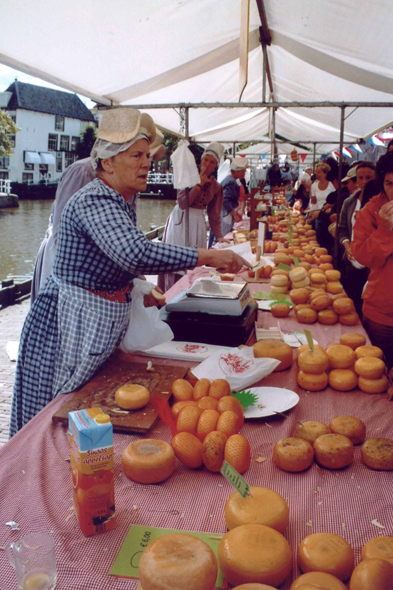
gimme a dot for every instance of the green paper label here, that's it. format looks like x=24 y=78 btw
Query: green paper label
x=296 y=261
x=235 y=479
x=310 y=340
x=266 y=296
x=283 y=266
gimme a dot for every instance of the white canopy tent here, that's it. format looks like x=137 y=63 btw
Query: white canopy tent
x=186 y=51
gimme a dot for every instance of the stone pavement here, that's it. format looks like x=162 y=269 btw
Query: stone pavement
x=11 y=322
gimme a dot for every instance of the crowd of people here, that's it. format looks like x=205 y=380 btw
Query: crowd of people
x=82 y=284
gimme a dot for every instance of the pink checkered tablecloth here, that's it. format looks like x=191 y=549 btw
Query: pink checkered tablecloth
x=36 y=486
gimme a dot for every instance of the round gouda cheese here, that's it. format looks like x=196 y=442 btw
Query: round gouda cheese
x=373 y=385
x=274 y=349
x=309 y=430
x=370 y=367
x=148 y=461
x=372 y=573
x=380 y=548
x=311 y=382
x=369 y=350
x=333 y=451
x=353 y=340
x=132 y=396
x=315 y=362
x=340 y=356
x=318 y=580
x=262 y=506
x=343 y=379
x=176 y=557
x=293 y=454
x=349 y=426
x=377 y=453
x=254 y=553
x=326 y=552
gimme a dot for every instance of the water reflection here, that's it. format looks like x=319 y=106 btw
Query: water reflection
x=22 y=230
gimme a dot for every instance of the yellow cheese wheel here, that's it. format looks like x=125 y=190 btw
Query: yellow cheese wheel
x=372 y=574
x=327 y=317
x=318 y=580
x=348 y=319
x=321 y=302
x=279 y=281
x=305 y=265
x=369 y=350
x=333 y=451
x=299 y=296
x=334 y=287
x=275 y=289
x=317 y=277
x=298 y=274
x=333 y=275
x=148 y=461
x=280 y=310
x=311 y=382
x=380 y=548
x=377 y=453
x=316 y=293
x=176 y=557
x=304 y=347
x=310 y=430
x=318 y=286
x=315 y=362
x=353 y=340
x=306 y=316
x=262 y=506
x=373 y=385
x=326 y=552
x=370 y=367
x=343 y=306
x=326 y=258
x=340 y=356
x=282 y=259
x=343 y=379
x=321 y=252
x=301 y=284
x=280 y=271
x=326 y=266
x=274 y=349
x=349 y=426
x=254 y=553
x=293 y=454
x=132 y=396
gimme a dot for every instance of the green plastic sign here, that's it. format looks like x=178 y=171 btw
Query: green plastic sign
x=296 y=261
x=235 y=479
x=310 y=340
x=284 y=266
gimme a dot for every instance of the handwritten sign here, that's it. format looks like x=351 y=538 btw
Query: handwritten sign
x=235 y=479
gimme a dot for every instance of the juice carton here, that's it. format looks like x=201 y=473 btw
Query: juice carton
x=91 y=440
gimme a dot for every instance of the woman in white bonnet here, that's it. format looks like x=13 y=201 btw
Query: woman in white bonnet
x=207 y=194
x=82 y=313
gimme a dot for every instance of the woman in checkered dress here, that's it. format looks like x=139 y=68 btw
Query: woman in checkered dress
x=82 y=314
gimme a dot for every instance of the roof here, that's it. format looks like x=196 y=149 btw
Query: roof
x=47 y=100
x=324 y=50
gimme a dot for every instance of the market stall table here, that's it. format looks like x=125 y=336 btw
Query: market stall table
x=36 y=485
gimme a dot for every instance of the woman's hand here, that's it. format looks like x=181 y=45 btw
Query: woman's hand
x=223 y=241
x=153 y=299
x=223 y=260
x=386 y=215
x=347 y=246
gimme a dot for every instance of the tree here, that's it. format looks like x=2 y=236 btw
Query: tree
x=7 y=128
x=88 y=137
x=170 y=142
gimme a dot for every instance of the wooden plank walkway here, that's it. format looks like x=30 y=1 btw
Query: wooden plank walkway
x=11 y=322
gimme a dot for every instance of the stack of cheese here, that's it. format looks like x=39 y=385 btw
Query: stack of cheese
x=342 y=377
x=371 y=369
x=314 y=304
x=313 y=366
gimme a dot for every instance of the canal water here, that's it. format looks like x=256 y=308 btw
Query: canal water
x=22 y=231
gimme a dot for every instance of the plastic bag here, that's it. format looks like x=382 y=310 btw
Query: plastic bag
x=145 y=329
x=185 y=170
x=237 y=366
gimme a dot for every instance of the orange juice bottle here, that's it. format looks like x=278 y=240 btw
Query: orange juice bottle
x=91 y=440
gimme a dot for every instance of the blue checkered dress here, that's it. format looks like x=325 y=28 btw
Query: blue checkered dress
x=69 y=332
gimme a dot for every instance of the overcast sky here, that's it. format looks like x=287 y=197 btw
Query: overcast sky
x=8 y=75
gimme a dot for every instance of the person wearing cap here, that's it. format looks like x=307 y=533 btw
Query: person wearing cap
x=82 y=313
x=355 y=274
x=206 y=195
x=231 y=188
x=73 y=178
x=302 y=197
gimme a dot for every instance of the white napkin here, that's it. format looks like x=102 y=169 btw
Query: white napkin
x=185 y=351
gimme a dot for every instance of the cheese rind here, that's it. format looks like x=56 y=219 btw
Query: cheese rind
x=310 y=430
x=254 y=553
x=132 y=396
x=178 y=556
x=319 y=580
x=262 y=506
x=275 y=349
x=372 y=574
x=380 y=548
x=377 y=453
x=333 y=451
x=148 y=461
x=326 y=552
x=349 y=426
x=293 y=454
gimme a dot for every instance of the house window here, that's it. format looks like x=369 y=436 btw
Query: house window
x=74 y=143
x=59 y=123
x=59 y=164
x=43 y=170
x=4 y=162
x=12 y=140
x=3 y=175
x=27 y=177
x=64 y=143
x=29 y=166
x=52 y=142
x=69 y=159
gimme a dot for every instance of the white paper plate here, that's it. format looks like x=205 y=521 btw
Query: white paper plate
x=275 y=399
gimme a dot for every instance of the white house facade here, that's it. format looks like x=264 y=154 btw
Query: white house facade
x=50 y=123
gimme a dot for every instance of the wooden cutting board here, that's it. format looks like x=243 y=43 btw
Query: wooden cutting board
x=117 y=371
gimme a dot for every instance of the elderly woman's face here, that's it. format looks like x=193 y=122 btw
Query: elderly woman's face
x=130 y=168
x=363 y=176
x=208 y=164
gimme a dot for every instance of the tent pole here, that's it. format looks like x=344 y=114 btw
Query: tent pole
x=187 y=217
x=313 y=158
x=234 y=149
x=339 y=200
x=264 y=51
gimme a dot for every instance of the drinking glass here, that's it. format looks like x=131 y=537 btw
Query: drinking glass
x=34 y=560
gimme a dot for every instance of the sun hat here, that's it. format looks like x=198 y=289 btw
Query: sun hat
x=239 y=163
x=216 y=150
x=304 y=177
x=122 y=124
x=351 y=174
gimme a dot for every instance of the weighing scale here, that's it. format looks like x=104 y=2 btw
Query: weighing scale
x=212 y=312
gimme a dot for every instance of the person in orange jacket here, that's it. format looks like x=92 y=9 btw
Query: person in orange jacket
x=372 y=246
